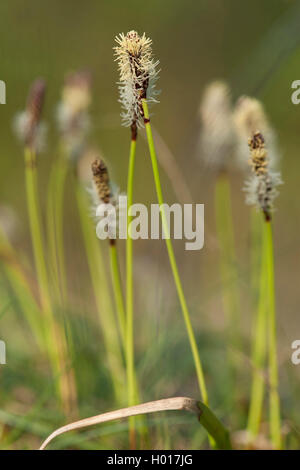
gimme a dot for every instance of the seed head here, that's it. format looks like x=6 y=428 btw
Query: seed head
x=109 y=200
x=36 y=100
x=101 y=180
x=217 y=135
x=258 y=161
x=27 y=124
x=261 y=188
x=138 y=74
x=249 y=115
x=72 y=112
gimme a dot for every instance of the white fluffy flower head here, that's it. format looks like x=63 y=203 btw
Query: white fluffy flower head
x=217 y=133
x=138 y=74
x=72 y=112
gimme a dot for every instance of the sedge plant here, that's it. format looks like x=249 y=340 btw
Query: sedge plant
x=138 y=74
x=108 y=205
x=217 y=145
x=99 y=278
x=107 y=211
x=261 y=191
x=73 y=125
x=30 y=129
x=134 y=62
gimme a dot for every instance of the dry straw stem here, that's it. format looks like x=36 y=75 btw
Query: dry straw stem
x=203 y=413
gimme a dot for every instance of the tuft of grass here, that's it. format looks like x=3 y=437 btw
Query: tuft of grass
x=53 y=333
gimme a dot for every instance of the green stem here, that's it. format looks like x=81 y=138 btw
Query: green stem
x=55 y=228
x=256 y=235
x=54 y=337
x=59 y=174
x=119 y=300
x=214 y=427
x=117 y=288
x=273 y=366
x=129 y=350
x=55 y=225
x=229 y=274
x=51 y=232
x=102 y=296
x=258 y=354
x=184 y=308
x=35 y=228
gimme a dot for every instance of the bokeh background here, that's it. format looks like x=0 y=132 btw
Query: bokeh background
x=254 y=46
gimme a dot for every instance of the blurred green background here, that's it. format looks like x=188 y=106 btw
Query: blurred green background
x=255 y=47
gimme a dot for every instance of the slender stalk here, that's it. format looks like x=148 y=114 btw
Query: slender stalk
x=54 y=337
x=229 y=275
x=119 y=300
x=35 y=227
x=102 y=296
x=258 y=354
x=51 y=231
x=55 y=201
x=275 y=430
x=129 y=350
x=55 y=232
x=185 y=312
x=256 y=236
x=117 y=288
x=55 y=223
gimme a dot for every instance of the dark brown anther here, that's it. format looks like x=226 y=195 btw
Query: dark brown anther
x=258 y=160
x=257 y=141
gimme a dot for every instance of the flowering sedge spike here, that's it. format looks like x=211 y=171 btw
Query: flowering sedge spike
x=248 y=116
x=261 y=188
x=101 y=180
x=28 y=126
x=217 y=134
x=138 y=75
x=72 y=112
x=109 y=207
